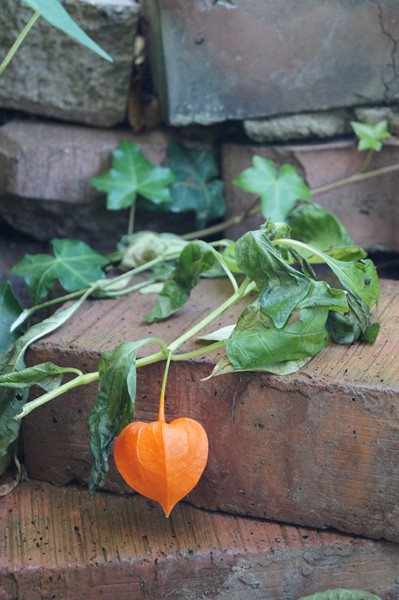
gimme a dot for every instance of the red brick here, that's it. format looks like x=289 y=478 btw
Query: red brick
x=55 y=545
x=368 y=209
x=59 y=201
x=317 y=448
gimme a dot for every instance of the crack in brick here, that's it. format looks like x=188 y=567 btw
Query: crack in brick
x=393 y=65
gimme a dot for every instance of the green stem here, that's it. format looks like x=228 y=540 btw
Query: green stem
x=198 y=351
x=94 y=376
x=244 y=289
x=161 y=411
x=14 y=48
x=62 y=389
x=303 y=246
x=226 y=269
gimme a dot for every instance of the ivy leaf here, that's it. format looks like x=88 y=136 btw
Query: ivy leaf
x=57 y=16
x=75 y=265
x=197 y=187
x=258 y=344
x=196 y=258
x=371 y=136
x=114 y=406
x=278 y=190
x=340 y=594
x=10 y=309
x=133 y=175
x=12 y=400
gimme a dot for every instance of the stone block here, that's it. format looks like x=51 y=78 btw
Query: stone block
x=57 y=545
x=368 y=209
x=47 y=194
x=216 y=60
x=302 y=126
x=54 y=76
x=318 y=448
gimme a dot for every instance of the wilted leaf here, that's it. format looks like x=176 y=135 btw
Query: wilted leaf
x=57 y=16
x=281 y=286
x=114 y=406
x=10 y=309
x=371 y=136
x=197 y=186
x=278 y=190
x=197 y=257
x=257 y=343
x=75 y=265
x=46 y=375
x=133 y=175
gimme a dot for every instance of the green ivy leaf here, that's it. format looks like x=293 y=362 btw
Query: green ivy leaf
x=13 y=399
x=57 y=16
x=278 y=190
x=114 y=406
x=197 y=187
x=133 y=175
x=75 y=265
x=196 y=258
x=371 y=136
x=10 y=309
x=340 y=594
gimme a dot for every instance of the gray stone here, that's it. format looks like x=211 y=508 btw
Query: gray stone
x=54 y=76
x=299 y=127
x=375 y=114
x=238 y=59
x=47 y=194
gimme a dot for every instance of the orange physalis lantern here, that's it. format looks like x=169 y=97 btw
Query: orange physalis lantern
x=160 y=460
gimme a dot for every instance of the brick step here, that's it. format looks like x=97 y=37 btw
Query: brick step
x=56 y=545
x=318 y=448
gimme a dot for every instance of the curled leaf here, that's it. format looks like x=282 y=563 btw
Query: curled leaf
x=163 y=461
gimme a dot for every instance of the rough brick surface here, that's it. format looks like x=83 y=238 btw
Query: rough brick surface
x=317 y=448
x=123 y=547
x=54 y=76
x=47 y=193
x=368 y=209
x=237 y=59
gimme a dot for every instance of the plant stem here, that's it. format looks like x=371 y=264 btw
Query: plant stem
x=69 y=385
x=161 y=411
x=14 y=48
x=198 y=351
x=355 y=178
x=252 y=211
x=244 y=289
x=94 y=376
x=132 y=214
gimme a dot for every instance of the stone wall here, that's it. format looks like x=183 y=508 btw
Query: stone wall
x=266 y=72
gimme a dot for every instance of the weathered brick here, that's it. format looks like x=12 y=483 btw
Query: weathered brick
x=54 y=76
x=368 y=209
x=54 y=546
x=317 y=448
x=239 y=59
x=47 y=194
